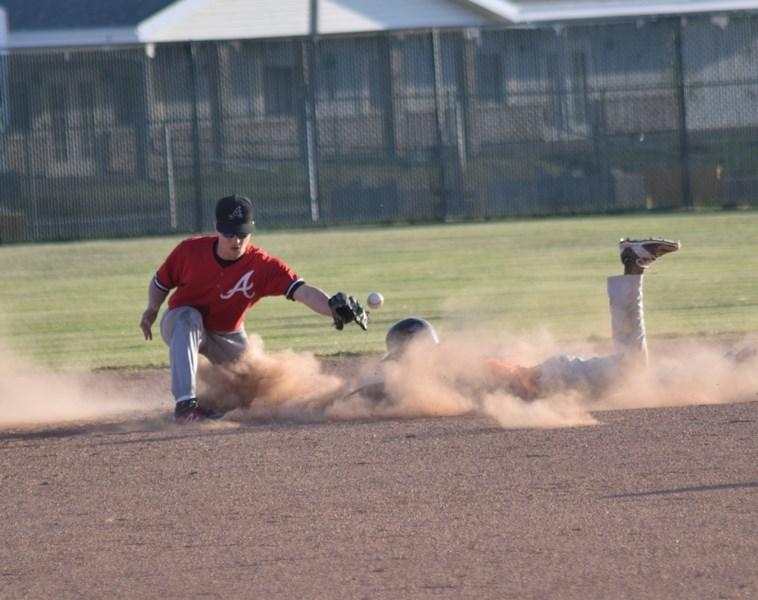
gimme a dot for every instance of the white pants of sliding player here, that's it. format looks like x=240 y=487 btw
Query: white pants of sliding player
x=597 y=373
x=183 y=331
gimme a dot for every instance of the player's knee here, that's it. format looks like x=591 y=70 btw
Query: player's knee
x=182 y=321
x=190 y=318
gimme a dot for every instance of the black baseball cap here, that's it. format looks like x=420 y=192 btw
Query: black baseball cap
x=234 y=214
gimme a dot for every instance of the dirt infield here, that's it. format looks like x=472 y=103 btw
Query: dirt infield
x=642 y=503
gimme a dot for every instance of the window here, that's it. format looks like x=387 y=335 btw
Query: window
x=243 y=92
x=87 y=107
x=123 y=98
x=278 y=91
x=57 y=100
x=489 y=81
x=21 y=118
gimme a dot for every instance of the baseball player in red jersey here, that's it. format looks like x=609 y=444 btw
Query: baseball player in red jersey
x=215 y=280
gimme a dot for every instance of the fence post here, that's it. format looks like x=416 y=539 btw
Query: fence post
x=31 y=189
x=5 y=110
x=439 y=126
x=311 y=121
x=196 y=151
x=684 y=148
x=170 y=176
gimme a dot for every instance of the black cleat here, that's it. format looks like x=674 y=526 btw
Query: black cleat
x=189 y=411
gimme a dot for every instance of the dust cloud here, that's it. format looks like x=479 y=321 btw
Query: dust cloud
x=278 y=385
x=693 y=372
x=454 y=379
x=31 y=396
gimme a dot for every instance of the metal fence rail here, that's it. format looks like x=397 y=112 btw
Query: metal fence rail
x=412 y=126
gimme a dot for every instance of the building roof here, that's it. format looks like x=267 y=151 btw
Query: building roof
x=40 y=15
x=51 y=23
x=540 y=11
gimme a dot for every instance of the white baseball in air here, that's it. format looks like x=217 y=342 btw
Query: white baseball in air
x=375 y=300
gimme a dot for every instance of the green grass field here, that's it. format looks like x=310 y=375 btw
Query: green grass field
x=74 y=306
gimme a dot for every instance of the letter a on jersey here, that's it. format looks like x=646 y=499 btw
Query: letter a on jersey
x=243 y=285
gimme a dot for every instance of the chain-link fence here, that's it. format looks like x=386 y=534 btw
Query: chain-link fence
x=412 y=126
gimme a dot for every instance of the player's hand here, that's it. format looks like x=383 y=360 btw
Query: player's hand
x=346 y=309
x=146 y=324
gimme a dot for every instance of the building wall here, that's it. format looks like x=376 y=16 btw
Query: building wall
x=436 y=124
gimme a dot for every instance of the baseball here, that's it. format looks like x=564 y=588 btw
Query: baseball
x=375 y=300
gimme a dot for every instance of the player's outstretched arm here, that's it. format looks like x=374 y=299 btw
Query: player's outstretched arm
x=341 y=307
x=155 y=298
x=314 y=298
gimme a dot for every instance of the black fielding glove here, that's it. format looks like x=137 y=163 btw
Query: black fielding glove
x=346 y=309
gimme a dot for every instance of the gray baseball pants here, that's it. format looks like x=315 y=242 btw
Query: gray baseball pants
x=597 y=373
x=183 y=331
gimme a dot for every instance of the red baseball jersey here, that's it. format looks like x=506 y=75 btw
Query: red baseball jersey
x=222 y=294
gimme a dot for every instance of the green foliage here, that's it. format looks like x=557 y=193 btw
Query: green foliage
x=78 y=305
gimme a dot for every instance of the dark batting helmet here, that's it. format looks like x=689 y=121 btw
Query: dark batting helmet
x=405 y=330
